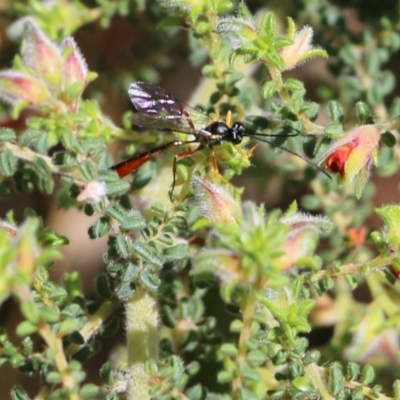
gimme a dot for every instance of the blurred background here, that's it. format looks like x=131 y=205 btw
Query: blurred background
x=133 y=47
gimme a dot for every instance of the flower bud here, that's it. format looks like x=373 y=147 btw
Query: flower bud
x=301 y=49
x=303 y=237
x=372 y=342
x=74 y=68
x=216 y=204
x=353 y=154
x=16 y=87
x=10 y=228
x=42 y=55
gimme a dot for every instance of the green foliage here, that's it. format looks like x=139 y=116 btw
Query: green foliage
x=276 y=285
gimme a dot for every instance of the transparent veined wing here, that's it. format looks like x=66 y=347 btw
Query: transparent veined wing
x=158 y=109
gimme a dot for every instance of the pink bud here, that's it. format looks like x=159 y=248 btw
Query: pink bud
x=17 y=86
x=75 y=68
x=372 y=341
x=303 y=236
x=41 y=54
x=325 y=312
x=216 y=204
x=10 y=228
x=293 y=54
x=302 y=49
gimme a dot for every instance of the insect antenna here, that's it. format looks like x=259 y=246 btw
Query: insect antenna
x=261 y=137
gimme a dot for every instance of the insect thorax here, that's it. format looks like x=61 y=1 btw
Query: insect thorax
x=221 y=133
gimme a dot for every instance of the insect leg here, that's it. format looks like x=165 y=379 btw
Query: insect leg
x=214 y=160
x=178 y=157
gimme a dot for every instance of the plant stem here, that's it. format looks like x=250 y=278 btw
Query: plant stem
x=245 y=336
x=142 y=341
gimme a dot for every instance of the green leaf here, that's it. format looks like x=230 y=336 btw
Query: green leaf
x=396 y=389
x=334 y=129
x=150 y=280
x=353 y=371
x=7 y=163
x=297 y=315
x=256 y=358
x=228 y=350
x=72 y=284
x=168 y=317
x=294 y=85
x=147 y=253
x=196 y=392
x=244 y=12
x=26 y=328
x=177 y=252
x=276 y=309
x=68 y=326
x=46 y=185
x=209 y=71
x=76 y=338
x=133 y=221
x=225 y=376
x=7 y=135
x=363 y=112
x=17 y=393
x=273 y=58
x=117 y=212
x=235 y=77
x=125 y=291
x=170 y=22
x=348 y=54
x=391 y=215
x=336 y=380
x=281 y=41
x=30 y=311
x=42 y=168
x=291 y=28
x=267 y=26
x=29 y=136
x=335 y=111
x=131 y=272
x=111 y=328
x=103 y=287
x=302 y=384
x=100 y=228
x=312 y=356
x=53 y=378
x=268 y=89
x=89 y=390
x=124 y=245
x=88 y=170
x=367 y=375
x=52 y=239
x=389 y=139
x=117 y=188
x=106 y=374
x=49 y=314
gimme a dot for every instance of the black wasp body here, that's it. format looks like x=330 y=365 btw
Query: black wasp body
x=219 y=133
x=157 y=109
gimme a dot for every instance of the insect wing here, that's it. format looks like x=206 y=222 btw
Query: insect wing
x=158 y=109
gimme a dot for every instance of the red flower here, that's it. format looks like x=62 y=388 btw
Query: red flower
x=336 y=161
x=353 y=154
